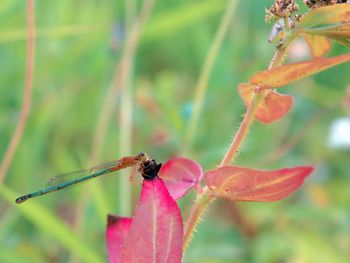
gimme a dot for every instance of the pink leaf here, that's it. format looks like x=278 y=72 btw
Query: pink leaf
x=117 y=231
x=274 y=106
x=245 y=184
x=180 y=174
x=156 y=233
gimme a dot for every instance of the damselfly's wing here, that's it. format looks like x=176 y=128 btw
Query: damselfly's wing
x=104 y=168
x=62 y=181
x=71 y=176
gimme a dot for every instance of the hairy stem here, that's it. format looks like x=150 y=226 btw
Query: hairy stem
x=243 y=129
x=198 y=208
x=205 y=198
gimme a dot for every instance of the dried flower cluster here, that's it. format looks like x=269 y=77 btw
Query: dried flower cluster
x=319 y=3
x=281 y=9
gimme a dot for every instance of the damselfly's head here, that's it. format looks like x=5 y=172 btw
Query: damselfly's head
x=141 y=156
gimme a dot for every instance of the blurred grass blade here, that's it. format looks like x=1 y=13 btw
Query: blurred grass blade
x=13 y=257
x=50 y=224
x=168 y=22
x=52 y=32
x=202 y=84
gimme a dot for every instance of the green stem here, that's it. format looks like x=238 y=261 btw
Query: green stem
x=286 y=23
x=202 y=83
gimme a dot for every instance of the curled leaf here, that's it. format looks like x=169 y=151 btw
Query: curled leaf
x=156 y=232
x=245 y=184
x=180 y=174
x=283 y=75
x=319 y=46
x=274 y=106
x=117 y=231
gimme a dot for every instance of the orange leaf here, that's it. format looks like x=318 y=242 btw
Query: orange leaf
x=272 y=108
x=283 y=75
x=319 y=46
x=331 y=21
x=245 y=184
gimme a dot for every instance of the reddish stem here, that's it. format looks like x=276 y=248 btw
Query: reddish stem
x=27 y=96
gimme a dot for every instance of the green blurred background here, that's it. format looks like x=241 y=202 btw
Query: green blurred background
x=78 y=47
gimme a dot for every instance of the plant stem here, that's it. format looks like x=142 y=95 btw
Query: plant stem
x=125 y=120
x=27 y=96
x=202 y=201
x=202 y=83
x=286 y=23
x=205 y=198
x=243 y=129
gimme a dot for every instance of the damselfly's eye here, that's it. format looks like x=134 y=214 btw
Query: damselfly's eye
x=141 y=154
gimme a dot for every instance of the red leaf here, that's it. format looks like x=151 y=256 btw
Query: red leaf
x=319 y=46
x=180 y=174
x=156 y=233
x=245 y=184
x=117 y=231
x=272 y=108
x=283 y=75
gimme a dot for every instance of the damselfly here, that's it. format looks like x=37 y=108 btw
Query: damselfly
x=148 y=168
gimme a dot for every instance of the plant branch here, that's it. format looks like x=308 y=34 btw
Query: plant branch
x=27 y=96
x=205 y=198
x=202 y=83
x=243 y=129
x=125 y=121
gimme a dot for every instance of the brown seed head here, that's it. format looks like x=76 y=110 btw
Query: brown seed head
x=281 y=9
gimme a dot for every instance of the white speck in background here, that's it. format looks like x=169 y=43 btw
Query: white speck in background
x=339 y=136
